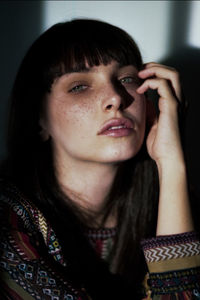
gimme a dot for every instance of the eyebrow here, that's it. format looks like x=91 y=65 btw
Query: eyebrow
x=79 y=69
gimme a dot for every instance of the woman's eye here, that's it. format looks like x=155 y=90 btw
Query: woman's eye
x=78 y=88
x=127 y=80
x=130 y=81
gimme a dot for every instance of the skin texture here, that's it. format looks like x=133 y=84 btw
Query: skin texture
x=86 y=162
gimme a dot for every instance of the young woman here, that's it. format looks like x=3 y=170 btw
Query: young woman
x=93 y=192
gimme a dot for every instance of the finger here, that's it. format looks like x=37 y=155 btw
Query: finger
x=162 y=72
x=154 y=64
x=159 y=84
x=153 y=67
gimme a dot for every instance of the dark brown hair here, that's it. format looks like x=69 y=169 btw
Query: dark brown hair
x=62 y=48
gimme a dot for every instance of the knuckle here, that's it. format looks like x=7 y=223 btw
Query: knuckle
x=172 y=69
x=163 y=81
x=151 y=64
x=175 y=74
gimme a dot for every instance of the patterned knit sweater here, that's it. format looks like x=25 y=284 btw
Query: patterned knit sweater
x=173 y=261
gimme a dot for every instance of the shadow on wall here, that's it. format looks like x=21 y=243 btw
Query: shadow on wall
x=186 y=60
x=20 y=24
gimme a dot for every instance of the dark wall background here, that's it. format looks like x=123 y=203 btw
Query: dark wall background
x=21 y=23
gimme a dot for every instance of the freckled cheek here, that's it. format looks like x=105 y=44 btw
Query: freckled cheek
x=76 y=116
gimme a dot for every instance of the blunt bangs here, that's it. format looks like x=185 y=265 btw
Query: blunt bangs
x=72 y=45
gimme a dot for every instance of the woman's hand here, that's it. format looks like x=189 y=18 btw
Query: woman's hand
x=164 y=146
x=163 y=141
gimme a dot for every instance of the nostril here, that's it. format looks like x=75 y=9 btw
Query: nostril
x=109 y=106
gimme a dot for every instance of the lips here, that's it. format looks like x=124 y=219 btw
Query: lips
x=117 y=127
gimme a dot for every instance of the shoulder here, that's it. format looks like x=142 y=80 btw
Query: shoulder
x=15 y=207
x=21 y=218
x=29 y=250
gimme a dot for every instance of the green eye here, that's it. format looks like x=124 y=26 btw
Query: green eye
x=132 y=80
x=126 y=80
x=78 y=88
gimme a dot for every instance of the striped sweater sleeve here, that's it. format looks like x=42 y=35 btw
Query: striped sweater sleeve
x=174 y=266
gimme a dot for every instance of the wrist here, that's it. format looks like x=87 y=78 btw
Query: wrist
x=171 y=166
x=174 y=213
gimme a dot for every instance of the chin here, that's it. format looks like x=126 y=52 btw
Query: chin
x=120 y=155
x=123 y=149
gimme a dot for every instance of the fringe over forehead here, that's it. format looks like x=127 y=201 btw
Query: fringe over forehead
x=70 y=45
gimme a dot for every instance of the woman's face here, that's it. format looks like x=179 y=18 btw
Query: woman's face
x=95 y=114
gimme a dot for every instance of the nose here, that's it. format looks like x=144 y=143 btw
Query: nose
x=116 y=98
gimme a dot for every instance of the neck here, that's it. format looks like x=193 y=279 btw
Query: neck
x=87 y=183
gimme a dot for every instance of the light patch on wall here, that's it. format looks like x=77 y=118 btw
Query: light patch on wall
x=194 y=26
x=146 y=21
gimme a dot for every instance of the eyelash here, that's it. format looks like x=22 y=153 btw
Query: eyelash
x=133 y=80
x=82 y=87
x=78 y=88
x=121 y=80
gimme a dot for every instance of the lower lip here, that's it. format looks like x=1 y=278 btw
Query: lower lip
x=118 y=132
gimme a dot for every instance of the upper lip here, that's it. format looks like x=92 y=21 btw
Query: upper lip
x=116 y=122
